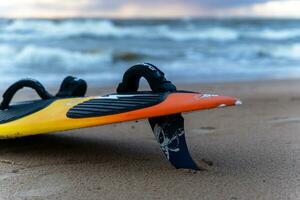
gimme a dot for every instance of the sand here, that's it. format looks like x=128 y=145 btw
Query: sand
x=254 y=150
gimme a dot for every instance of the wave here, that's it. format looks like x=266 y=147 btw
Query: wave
x=53 y=60
x=219 y=34
x=62 y=29
x=52 y=64
x=42 y=29
x=49 y=60
x=271 y=34
x=28 y=29
x=291 y=52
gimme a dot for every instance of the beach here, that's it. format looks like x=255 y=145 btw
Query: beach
x=250 y=151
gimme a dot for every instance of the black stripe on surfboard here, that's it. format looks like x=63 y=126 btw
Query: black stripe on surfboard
x=114 y=104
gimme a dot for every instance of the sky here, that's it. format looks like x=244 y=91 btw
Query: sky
x=149 y=8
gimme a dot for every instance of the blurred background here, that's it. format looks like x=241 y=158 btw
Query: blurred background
x=191 y=41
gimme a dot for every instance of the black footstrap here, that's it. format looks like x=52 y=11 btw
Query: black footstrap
x=155 y=78
x=72 y=87
x=14 y=88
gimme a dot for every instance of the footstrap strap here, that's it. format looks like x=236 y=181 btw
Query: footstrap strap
x=155 y=78
x=14 y=88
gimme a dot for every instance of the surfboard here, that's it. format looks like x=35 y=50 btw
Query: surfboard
x=44 y=116
x=69 y=109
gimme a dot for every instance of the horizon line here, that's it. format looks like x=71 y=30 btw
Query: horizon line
x=151 y=17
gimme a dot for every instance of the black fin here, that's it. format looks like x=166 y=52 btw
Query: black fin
x=169 y=133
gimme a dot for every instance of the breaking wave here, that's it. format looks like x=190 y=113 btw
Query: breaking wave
x=61 y=29
x=288 y=52
x=41 y=29
x=271 y=34
x=49 y=59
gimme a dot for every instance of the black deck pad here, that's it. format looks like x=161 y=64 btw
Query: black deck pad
x=20 y=110
x=115 y=104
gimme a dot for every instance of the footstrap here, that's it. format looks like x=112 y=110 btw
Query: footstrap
x=72 y=87
x=14 y=88
x=155 y=78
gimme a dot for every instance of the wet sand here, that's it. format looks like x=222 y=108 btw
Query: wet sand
x=254 y=150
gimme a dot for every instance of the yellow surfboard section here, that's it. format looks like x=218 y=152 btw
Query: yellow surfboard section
x=50 y=119
x=53 y=118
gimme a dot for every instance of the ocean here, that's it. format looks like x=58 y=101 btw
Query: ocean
x=187 y=50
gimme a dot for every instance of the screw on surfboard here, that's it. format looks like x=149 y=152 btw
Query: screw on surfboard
x=168 y=130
